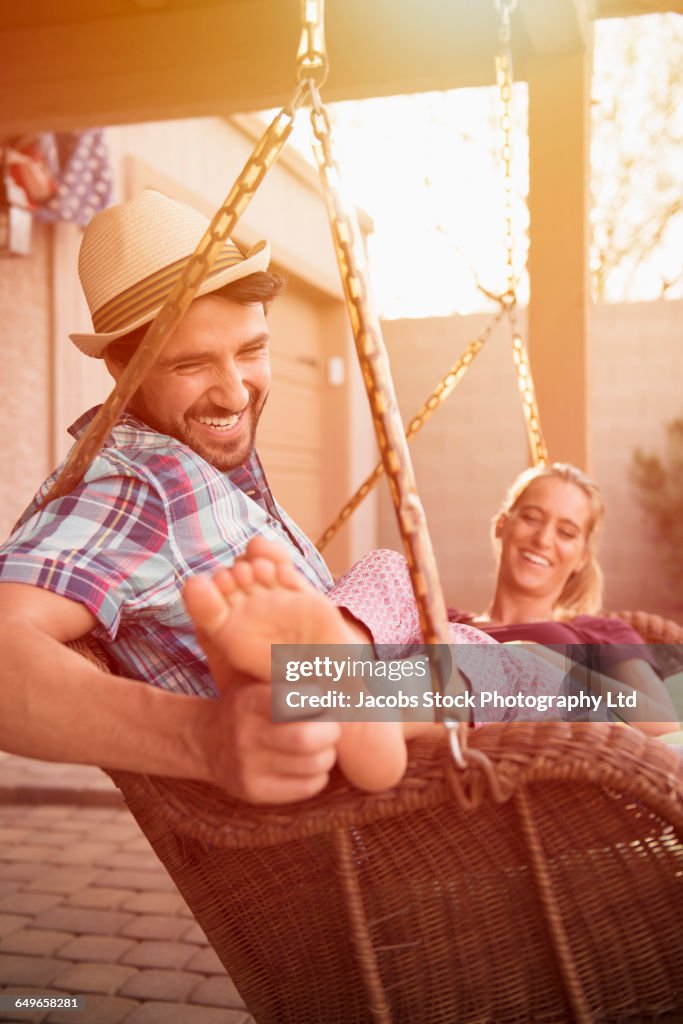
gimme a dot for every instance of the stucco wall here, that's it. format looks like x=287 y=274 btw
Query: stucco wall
x=25 y=406
x=636 y=363
x=204 y=156
x=475 y=445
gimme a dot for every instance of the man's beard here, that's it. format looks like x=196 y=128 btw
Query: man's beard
x=222 y=455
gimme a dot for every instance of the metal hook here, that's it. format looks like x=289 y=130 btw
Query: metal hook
x=453 y=732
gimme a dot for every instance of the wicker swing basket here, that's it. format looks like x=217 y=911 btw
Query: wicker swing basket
x=542 y=883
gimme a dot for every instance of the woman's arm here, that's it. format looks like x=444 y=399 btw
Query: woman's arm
x=654 y=713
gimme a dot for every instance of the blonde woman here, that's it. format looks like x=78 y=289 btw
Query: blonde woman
x=549 y=584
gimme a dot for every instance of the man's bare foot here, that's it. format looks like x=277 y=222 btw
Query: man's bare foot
x=259 y=548
x=261 y=601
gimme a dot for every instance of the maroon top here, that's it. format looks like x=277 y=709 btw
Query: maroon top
x=611 y=640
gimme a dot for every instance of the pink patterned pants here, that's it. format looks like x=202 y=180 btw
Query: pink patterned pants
x=377 y=591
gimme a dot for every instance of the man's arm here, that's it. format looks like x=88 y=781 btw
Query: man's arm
x=57 y=706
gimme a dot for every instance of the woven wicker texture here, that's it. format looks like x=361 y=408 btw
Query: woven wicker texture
x=543 y=883
x=653 y=628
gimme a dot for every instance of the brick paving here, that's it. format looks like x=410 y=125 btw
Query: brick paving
x=87 y=909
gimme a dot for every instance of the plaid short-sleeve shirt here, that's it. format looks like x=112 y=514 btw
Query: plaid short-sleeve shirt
x=149 y=513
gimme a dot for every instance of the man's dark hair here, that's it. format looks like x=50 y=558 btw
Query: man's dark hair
x=247 y=291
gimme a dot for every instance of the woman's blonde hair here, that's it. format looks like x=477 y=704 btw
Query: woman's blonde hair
x=582 y=593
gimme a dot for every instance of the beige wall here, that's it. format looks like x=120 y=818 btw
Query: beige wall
x=202 y=157
x=636 y=363
x=475 y=445
x=78 y=382
x=25 y=408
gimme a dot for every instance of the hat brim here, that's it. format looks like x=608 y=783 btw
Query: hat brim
x=257 y=259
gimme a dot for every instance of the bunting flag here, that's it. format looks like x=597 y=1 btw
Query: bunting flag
x=78 y=164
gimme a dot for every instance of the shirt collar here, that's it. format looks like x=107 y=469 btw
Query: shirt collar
x=128 y=429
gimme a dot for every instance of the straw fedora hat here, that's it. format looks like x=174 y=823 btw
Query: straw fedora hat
x=130 y=258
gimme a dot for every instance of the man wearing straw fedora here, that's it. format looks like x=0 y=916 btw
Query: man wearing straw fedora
x=176 y=489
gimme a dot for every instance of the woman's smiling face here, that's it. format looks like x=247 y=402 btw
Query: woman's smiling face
x=543 y=538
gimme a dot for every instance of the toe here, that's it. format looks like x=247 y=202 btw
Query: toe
x=291 y=578
x=243 y=575
x=205 y=605
x=225 y=581
x=265 y=571
x=259 y=547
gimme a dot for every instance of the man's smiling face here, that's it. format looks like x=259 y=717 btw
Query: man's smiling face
x=210 y=383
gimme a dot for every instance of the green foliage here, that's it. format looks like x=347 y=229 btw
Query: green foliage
x=659 y=483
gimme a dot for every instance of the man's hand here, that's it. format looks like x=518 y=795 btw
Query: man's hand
x=249 y=755
x=262 y=761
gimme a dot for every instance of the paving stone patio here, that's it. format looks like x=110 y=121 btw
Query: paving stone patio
x=87 y=909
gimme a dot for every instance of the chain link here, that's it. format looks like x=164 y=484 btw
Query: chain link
x=311 y=57
x=532 y=419
x=504 y=80
x=441 y=392
x=537 y=446
x=193 y=274
x=505 y=9
x=374 y=366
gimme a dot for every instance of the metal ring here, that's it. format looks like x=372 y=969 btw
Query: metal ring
x=316 y=73
x=452 y=729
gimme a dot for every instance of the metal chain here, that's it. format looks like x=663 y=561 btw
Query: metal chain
x=504 y=80
x=194 y=273
x=311 y=57
x=505 y=9
x=441 y=392
x=532 y=419
x=537 y=446
x=374 y=364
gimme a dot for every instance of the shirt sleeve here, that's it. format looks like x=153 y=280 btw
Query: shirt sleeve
x=104 y=545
